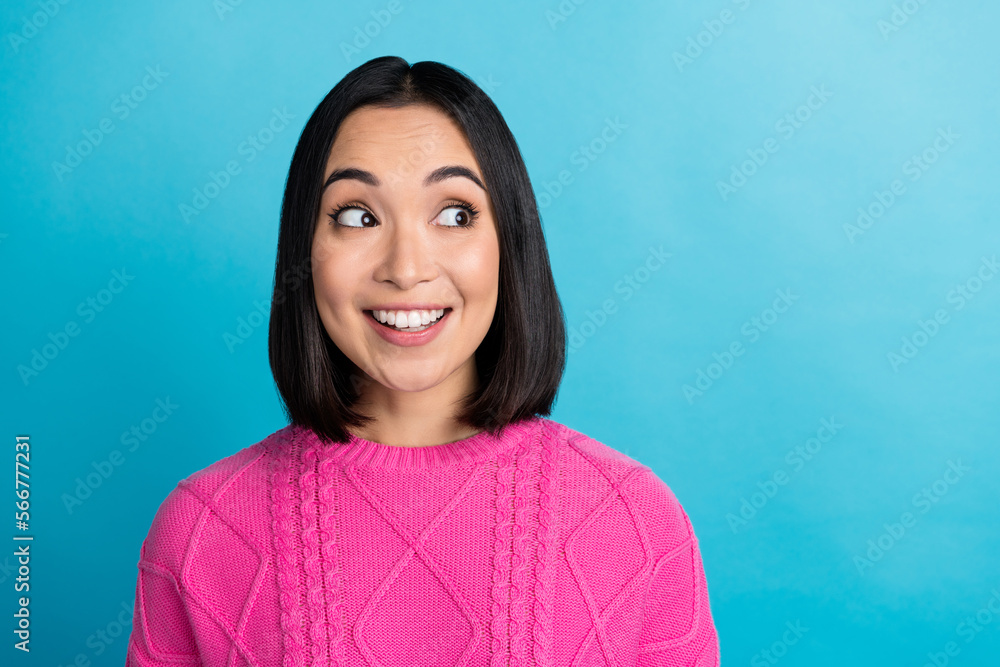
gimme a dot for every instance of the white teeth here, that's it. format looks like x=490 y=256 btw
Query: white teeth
x=407 y=319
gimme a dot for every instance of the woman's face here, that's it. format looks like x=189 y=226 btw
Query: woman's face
x=405 y=230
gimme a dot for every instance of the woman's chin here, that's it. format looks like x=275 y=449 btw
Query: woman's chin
x=399 y=380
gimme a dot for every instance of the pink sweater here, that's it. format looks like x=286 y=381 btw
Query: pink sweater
x=540 y=547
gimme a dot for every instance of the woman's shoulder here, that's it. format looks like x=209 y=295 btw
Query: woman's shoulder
x=588 y=457
x=218 y=477
x=621 y=509
x=222 y=499
x=591 y=449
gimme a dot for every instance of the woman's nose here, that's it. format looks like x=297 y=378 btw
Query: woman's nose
x=408 y=255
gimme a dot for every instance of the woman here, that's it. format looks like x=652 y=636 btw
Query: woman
x=419 y=508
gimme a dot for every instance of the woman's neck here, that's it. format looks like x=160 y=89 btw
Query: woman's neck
x=417 y=418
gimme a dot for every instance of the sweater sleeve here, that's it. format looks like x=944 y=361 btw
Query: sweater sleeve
x=162 y=632
x=678 y=629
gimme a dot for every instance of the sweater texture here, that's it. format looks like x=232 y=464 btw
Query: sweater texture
x=539 y=546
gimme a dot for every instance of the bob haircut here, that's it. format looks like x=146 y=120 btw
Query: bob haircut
x=520 y=361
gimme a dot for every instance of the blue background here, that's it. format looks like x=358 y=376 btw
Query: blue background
x=683 y=127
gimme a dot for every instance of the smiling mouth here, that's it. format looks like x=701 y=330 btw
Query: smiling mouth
x=392 y=327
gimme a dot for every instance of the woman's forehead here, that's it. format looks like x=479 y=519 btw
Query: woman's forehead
x=391 y=126
x=414 y=138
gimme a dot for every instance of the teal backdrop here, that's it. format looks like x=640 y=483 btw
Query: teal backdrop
x=771 y=228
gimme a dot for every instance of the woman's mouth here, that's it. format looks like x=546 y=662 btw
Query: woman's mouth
x=408 y=321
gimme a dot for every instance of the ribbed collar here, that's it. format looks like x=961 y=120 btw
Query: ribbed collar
x=361 y=452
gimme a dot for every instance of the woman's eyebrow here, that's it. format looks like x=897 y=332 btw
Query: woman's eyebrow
x=439 y=174
x=452 y=171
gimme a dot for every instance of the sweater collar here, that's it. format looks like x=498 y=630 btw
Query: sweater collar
x=358 y=451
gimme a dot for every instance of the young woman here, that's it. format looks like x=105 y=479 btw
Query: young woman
x=419 y=509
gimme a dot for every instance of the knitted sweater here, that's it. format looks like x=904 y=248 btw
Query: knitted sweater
x=538 y=547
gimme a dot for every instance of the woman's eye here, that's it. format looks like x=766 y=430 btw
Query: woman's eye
x=355 y=217
x=456 y=216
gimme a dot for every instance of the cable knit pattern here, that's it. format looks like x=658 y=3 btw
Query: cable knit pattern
x=546 y=547
x=537 y=547
x=333 y=576
x=285 y=533
x=501 y=563
x=519 y=562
